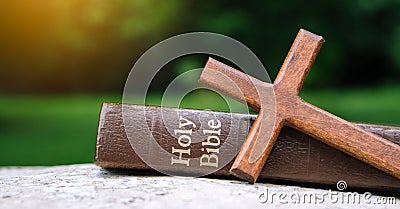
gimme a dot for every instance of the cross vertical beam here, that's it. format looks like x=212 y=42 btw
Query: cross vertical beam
x=279 y=104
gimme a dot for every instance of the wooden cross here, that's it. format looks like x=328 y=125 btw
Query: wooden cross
x=291 y=110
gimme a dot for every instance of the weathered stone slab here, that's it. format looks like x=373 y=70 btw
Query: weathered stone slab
x=88 y=186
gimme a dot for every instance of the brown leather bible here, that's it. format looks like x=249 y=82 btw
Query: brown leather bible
x=295 y=159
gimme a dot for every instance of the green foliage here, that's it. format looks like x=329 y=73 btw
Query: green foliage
x=49 y=130
x=362 y=37
x=90 y=45
x=77 y=46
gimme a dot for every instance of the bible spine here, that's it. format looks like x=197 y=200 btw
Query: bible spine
x=296 y=157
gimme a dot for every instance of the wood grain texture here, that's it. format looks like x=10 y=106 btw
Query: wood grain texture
x=279 y=105
x=296 y=158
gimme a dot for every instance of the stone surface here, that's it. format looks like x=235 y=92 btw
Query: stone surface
x=88 y=186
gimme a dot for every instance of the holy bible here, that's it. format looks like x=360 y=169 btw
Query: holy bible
x=296 y=157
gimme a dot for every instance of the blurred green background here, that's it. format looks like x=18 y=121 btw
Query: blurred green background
x=59 y=60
